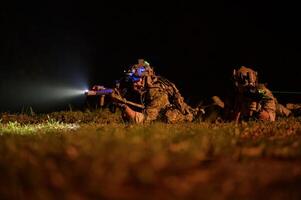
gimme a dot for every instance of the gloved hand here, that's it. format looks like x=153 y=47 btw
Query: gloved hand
x=116 y=97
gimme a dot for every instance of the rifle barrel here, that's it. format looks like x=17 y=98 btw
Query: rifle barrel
x=98 y=92
x=286 y=92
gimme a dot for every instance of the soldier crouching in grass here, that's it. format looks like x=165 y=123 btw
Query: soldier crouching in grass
x=161 y=98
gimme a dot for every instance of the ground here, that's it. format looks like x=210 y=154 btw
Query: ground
x=94 y=155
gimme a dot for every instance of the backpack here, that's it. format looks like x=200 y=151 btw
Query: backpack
x=174 y=95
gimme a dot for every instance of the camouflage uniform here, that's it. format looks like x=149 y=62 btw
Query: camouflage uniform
x=282 y=111
x=249 y=107
x=215 y=111
x=251 y=99
x=161 y=103
x=294 y=108
x=160 y=97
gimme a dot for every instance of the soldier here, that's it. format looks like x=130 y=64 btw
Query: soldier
x=160 y=97
x=216 y=109
x=251 y=99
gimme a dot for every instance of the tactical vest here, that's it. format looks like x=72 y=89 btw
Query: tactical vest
x=174 y=95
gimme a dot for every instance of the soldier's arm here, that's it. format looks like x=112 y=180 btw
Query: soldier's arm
x=134 y=116
x=155 y=102
x=268 y=107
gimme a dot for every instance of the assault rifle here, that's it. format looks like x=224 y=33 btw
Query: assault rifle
x=113 y=93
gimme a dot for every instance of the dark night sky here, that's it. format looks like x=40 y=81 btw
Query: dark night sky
x=67 y=44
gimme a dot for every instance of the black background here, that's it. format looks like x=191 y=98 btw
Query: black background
x=194 y=45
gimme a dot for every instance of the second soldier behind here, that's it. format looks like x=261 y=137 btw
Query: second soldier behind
x=250 y=99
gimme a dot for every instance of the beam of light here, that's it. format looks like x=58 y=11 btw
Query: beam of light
x=48 y=93
x=61 y=92
x=44 y=95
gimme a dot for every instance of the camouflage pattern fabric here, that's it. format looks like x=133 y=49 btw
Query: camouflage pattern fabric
x=294 y=108
x=248 y=107
x=160 y=105
x=268 y=102
x=282 y=111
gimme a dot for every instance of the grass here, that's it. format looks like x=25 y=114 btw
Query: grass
x=103 y=159
x=27 y=129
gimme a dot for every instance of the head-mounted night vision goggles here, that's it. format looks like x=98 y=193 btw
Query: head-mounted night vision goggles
x=138 y=71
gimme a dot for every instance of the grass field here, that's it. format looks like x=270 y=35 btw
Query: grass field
x=94 y=155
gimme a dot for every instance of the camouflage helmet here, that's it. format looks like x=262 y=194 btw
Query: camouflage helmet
x=245 y=76
x=140 y=70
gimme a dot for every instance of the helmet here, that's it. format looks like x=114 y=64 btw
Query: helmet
x=140 y=70
x=245 y=76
